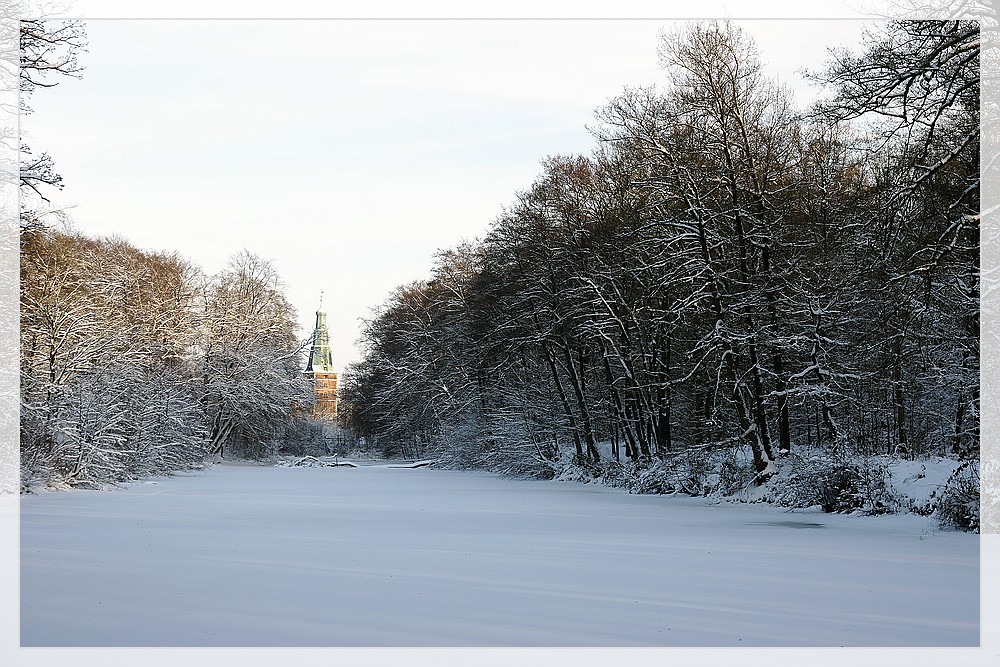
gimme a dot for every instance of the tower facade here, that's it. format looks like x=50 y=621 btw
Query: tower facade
x=319 y=370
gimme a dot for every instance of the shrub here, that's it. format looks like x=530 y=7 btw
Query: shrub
x=618 y=475
x=835 y=485
x=691 y=471
x=958 y=503
x=735 y=476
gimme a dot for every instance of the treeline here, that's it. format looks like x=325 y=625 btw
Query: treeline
x=723 y=271
x=136 y=363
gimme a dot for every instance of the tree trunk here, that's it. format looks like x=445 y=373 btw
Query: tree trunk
x=784 y=429
x=898 y=395
x=618 y=408
x=550 y=357
x=760 y=414
x=576 y=382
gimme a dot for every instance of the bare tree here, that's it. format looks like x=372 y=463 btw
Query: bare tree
x=49 y=50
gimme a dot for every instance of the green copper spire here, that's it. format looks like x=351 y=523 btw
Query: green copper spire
x=320 y=357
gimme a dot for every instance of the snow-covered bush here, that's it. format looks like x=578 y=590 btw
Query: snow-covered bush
x=655 y=478
x=875 y=491
x=834 y=484
x=958 y=502
x=869 y=485
x=619 y=475
x=691 y=471
x=567 y=468
x=735 y=474
x=694 y=472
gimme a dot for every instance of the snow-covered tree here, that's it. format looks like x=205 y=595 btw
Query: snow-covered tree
x=250 y=360
x=133 y=364
x=106 y=332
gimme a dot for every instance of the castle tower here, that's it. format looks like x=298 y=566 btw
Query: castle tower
x=320 y=370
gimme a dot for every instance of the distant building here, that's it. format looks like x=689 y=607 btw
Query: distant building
x=319 y=370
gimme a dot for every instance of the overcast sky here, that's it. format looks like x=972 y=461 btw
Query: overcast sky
x=347 y=152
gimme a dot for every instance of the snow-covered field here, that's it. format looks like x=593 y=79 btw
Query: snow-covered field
x=376 y=556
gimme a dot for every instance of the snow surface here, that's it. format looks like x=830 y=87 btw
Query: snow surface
x=377 y=556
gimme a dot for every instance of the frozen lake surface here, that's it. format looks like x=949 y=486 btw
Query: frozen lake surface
x=241 y=555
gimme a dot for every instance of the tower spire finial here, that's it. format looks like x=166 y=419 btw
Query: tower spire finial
x=320 y=356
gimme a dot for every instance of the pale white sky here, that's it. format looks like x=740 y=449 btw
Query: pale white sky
x=347 y=152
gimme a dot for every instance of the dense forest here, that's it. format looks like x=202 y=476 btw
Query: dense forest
x=135 y=363
x=725 y=277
